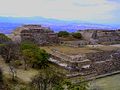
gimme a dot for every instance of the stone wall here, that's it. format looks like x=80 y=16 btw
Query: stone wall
x=79 y=43
x=101 y=36
x=105 y=62
x=38 y=34
x=92 y=63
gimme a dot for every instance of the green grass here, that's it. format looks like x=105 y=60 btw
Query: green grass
x=107 y=83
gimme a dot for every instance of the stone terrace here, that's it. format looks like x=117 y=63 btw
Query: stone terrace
x=86 y=60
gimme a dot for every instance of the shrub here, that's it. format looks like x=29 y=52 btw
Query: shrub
x=77 y=35
x=63 y=34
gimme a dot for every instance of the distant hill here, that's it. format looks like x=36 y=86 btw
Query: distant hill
x=8 y=24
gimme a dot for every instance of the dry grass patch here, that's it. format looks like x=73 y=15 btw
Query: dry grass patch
x=68 y=50
x=104 y=48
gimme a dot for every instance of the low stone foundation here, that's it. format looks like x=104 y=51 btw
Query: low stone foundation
x=99 y=63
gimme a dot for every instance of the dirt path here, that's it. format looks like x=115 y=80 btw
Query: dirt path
x=22 y=74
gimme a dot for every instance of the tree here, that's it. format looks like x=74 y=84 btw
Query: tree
x=34 y=56
x=9 y=51
x=63 y=34
x=28 y=56
x=1 y=75
x=2 y=48
x=41 y=58
x=49 y=80
x=46 y=80
x=77 y=35
x=6 y=47
x=4 y=38
x=2 y=86
x=67 y=84
x=28 y=50
x=13 y=72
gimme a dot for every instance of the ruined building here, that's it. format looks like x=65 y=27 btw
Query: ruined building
x=88 y=64
x=101 y=36
x=38 y=34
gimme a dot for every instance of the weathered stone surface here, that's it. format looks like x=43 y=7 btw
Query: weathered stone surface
x=38 y=34
x=91 y=63
x=101 y=36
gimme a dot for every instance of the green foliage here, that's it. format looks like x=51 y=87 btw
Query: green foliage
x=34 y=55
x=69 y=85
x=77 y=35
x=28 y=45
x=9 y=51
x=2 y=46
x=47 y=79
x=41 y=58
x=63 y=34
x=50 y=80
x=17 y=63
x=4 y=38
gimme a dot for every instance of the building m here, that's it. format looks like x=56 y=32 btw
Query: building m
x=38 y=34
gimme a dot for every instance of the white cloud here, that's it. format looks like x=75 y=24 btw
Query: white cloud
x=63 y=9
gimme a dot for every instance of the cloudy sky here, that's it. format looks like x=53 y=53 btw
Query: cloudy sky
x=100 y=11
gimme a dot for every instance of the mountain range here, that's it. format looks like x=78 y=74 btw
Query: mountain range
x=8 y=24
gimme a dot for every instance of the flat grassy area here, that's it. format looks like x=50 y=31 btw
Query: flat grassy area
x=80 y=50
x=69 y=50
x=107 y=83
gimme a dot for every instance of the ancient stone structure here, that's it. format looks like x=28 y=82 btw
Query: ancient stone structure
x=91 y=63
x=38 y=34
x=72 y=62
x=79 y=43
x=101 y=36
x=118 y=31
